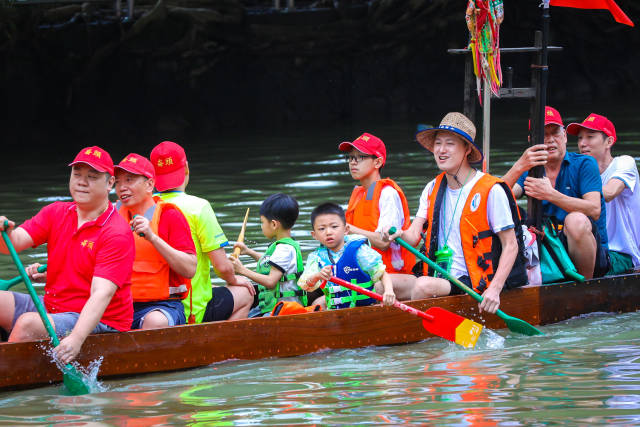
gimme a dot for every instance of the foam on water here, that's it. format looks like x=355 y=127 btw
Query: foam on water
x=89 y=373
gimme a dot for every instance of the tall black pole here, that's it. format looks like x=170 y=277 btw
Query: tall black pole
x=537 y=125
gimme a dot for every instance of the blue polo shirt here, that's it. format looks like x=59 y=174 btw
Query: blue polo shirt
x=579 y=174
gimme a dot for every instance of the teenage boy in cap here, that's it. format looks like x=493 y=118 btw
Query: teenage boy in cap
x=571 y=192
x=471 y=217
x=207 y=304
x=165 y=253
x=90 y=256
x=376 y=205
x=619 y=176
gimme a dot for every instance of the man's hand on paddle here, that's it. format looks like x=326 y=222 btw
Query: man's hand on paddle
x=68 y=349
x=2 y=221
x=34 y=275
x=491 y=300
x=386 y=237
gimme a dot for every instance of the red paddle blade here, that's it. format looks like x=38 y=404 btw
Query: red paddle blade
x=452 y=327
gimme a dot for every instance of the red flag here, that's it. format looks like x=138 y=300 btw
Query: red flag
x=611 y=5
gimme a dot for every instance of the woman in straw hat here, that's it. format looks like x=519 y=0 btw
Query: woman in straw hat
x=469 y=219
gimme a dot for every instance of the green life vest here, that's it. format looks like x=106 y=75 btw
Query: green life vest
x=268 y=298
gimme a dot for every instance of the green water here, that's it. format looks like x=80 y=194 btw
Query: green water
x=582 y=371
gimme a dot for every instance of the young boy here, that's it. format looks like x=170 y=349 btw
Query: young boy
x=278 y=214
x=377 y=204
x=346 y=257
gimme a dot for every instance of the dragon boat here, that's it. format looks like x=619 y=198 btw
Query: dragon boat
x=27 y=364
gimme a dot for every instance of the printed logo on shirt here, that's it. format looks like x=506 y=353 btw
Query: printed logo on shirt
x=348 y=269
x=87 y=244
x=475 y=202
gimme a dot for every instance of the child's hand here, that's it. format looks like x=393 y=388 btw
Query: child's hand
x=326 y=272
x=242 y=246
x=237 y=264
x=388 y=297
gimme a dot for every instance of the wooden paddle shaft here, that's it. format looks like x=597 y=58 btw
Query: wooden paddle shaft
x=375 y=296
x=236 y=251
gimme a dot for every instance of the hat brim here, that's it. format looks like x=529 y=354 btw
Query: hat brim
x=347 y=146
x=99 y=168
x=170 y=180
x=133 y=171
x=427 y=137
x=574 y=129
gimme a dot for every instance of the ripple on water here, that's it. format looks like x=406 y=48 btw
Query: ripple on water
x=313 y=184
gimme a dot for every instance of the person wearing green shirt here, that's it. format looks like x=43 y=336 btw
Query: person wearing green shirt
x=206 y=303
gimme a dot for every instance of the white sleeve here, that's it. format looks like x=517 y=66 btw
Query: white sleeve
x=424 y=200
x=626 y=171
x=498 y=211
x=391 y=213
x=284 y=258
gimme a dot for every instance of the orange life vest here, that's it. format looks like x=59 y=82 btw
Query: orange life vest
x=481 y=247
x=364 y=212
x=151 y=279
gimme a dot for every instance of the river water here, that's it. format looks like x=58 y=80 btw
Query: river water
x=583 y=371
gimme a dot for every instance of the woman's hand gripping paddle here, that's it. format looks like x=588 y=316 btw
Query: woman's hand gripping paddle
x=236 y=251
x=513 y=323
x=5 y=285
x=73 y=379
x=436 y=320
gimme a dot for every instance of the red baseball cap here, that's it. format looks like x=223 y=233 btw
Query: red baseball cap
x=594 y=122
x=169 y=161
x=552 y=117
x=95 y=157
x=138 y=165
x=368 y=144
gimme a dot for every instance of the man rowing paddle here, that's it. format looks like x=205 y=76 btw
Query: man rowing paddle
x=90 y=256
x=620 y=180
x=222 y=302
x=165 y=254
x=472 y=223
x=571 y=192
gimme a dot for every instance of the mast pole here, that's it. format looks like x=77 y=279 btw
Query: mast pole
x=535 y=205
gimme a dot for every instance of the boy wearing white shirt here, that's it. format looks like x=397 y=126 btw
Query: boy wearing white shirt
x=619 y=175
x=376 y=205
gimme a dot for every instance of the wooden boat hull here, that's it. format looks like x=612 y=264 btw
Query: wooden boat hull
x=24 y=365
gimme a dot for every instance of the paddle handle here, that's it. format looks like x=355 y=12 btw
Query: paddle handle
x=30 y=288
x=11 y=283
x=236 y=251
x=442 y=271
x=375 y=296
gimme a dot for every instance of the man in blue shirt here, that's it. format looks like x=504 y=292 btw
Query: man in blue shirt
x=571 y=191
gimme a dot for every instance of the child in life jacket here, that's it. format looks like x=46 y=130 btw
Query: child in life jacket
x=280 y=266
x=347 y=257
x=376 y=205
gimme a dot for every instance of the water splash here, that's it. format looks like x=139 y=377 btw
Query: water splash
x=489 y=340
x=89 y=373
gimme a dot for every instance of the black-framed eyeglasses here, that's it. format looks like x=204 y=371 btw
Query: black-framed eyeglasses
x=357 y=158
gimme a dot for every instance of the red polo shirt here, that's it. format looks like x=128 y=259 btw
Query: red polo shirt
x=101 y=248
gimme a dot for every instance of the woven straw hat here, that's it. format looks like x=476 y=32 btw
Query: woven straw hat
x=459 y=124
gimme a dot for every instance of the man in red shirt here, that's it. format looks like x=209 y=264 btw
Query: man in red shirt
x=165 y=253
x=90 y=256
